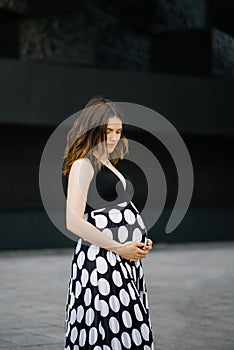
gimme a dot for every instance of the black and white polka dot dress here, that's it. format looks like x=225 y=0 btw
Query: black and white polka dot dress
x=107 y=303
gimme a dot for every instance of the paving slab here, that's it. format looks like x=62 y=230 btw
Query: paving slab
x=190 y=289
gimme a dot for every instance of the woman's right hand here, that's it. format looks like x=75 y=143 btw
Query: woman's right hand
x=131 y=251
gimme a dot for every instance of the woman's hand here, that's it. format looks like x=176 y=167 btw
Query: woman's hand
x=149 y=245
x=132 y=251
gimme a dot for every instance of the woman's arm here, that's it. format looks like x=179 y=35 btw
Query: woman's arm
x=80 y=176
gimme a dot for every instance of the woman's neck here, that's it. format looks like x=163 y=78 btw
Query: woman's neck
x=103 y=160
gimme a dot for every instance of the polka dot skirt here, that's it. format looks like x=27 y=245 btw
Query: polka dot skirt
x=107 y=304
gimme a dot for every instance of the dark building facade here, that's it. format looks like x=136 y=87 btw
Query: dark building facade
x=176 y=57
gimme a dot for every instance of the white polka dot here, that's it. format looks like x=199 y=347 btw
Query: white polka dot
x=141 y=272
x=78 y=245
x=137 y=235
x=101 y=221
x=87 y=296
x=125 y=337
x=101 y=331
x=111 y=257
x=97 y=303
x=114 y=303
x=127 y=320
x=78 y=289
x=74 y=271
x=101 y=265
x=70 y=285
x=114 y=325
x=82 y=337
x=103 y=286
x=80 y=313
x=117 y=278
x=146 y=347
x=93 y=277
x=97 y=348
x=145 y=331
x=68 y=329
x=146 y=301
x=105 y=347
x=115 y=344
x=140 y=221
x=122 y=234
x=93 y=335
x=138 y=312
x=129 y=216
x=124 y=297
x=137 y=263
x=136 y=337
x=72 y=300
x=73 y=316
x=74 y=334
x=92 y=252
x=84 y=277
x=76 y=347
x=123 y=204
x=125 y=272
x=134 y=272
x=131 y=291
x=129 y=268
x=107 y=232
x=89 y=316
x=115 y=215
x=118 y=258
x=80 y=259
x=104 y=308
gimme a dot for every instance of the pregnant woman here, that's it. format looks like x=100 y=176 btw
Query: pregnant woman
x=107 y=303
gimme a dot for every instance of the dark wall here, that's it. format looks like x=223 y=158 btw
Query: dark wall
x=200 y=109
x=175 y=57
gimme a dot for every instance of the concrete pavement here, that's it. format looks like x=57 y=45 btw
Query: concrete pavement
x=190 y=290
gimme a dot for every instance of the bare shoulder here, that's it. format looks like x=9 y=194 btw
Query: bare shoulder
x=83 y=165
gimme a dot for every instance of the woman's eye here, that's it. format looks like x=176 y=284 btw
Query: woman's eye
x=118 y=132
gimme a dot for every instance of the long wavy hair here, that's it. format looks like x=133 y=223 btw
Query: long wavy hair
x=89 y=132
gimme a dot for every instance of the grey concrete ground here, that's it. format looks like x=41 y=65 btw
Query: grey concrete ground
x=190 y=295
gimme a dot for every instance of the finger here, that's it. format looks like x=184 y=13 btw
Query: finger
x=150 y=242
x=139 y=244
x=142 y=255
x=141 y=251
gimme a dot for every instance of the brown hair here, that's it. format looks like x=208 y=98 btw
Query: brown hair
x=89 y=129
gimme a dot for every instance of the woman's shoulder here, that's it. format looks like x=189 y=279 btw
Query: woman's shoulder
x=84 y=164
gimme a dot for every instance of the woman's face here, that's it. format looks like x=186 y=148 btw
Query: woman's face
x=113 y=133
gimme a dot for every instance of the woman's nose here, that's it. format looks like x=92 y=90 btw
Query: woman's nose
x=113 y=136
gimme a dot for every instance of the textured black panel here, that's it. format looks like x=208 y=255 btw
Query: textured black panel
x=182 y=37
x=223 y=54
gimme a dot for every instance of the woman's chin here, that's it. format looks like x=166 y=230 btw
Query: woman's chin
x=110 y=149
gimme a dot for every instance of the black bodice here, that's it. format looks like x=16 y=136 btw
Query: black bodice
x=106 y=189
